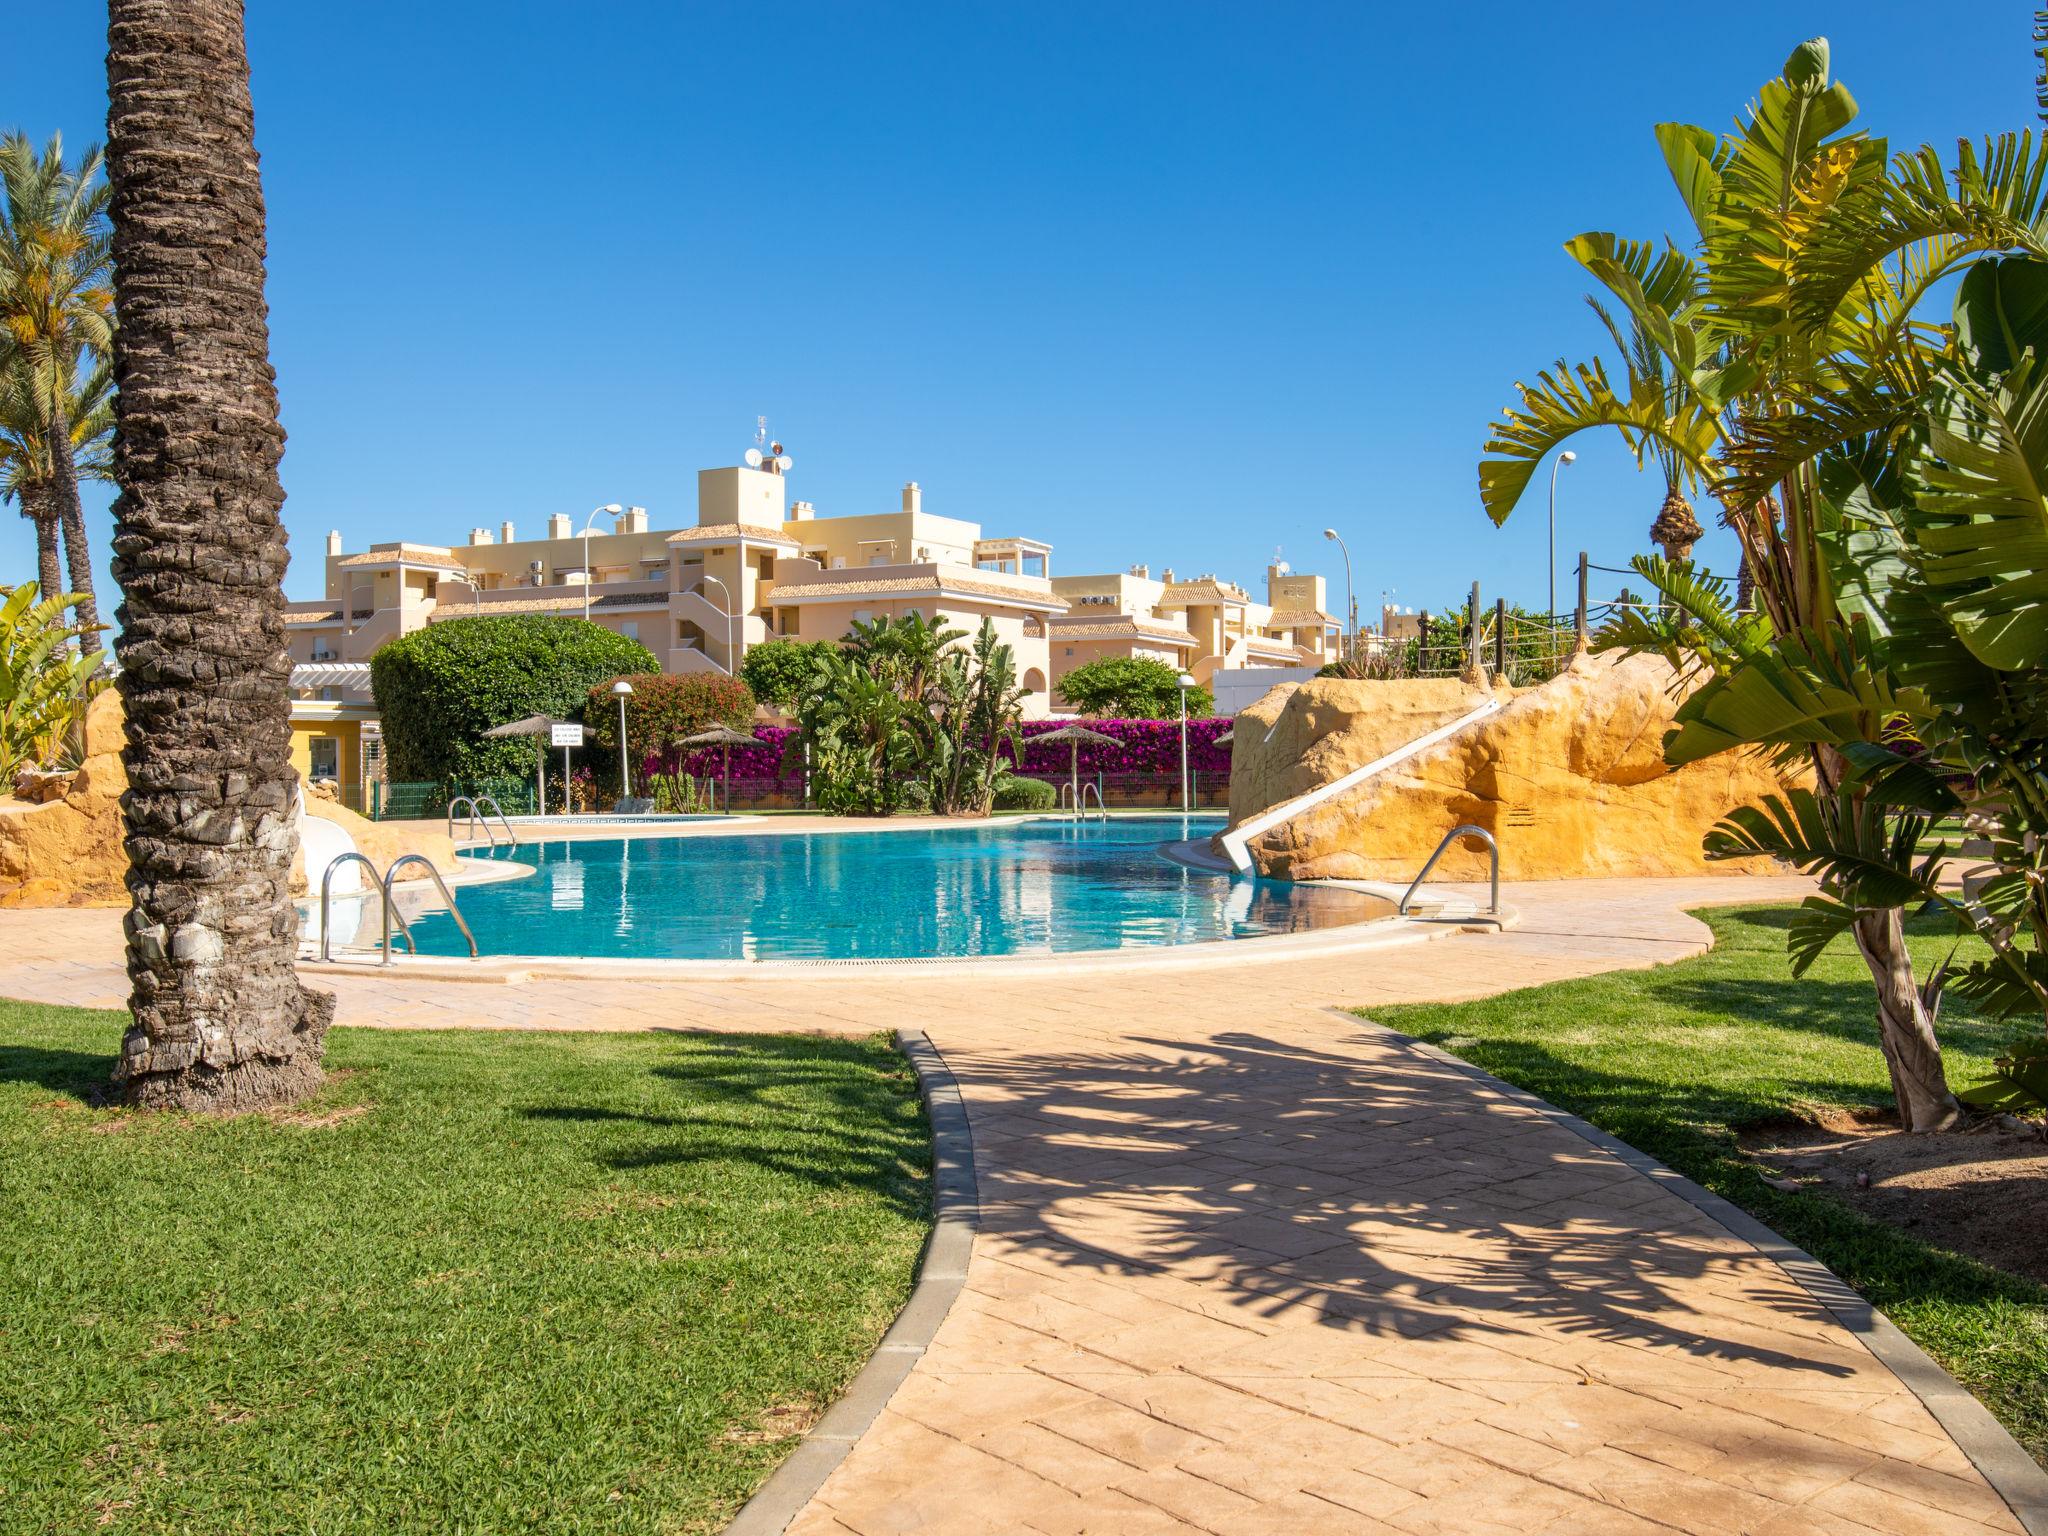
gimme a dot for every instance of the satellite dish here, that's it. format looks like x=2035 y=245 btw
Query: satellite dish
x=753 y=458
x=784 y=462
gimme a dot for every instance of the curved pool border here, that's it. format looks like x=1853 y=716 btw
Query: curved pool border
x=1439 y=913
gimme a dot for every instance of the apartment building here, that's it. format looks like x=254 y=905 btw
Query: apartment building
x=756 y=566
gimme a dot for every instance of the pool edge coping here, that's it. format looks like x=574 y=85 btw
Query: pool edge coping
x=2000 y=1460
x=941 y=1276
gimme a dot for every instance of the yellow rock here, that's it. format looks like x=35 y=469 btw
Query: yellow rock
x=1569 y=777
x=68 y=853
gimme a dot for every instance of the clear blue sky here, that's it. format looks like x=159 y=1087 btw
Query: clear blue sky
x=1167 y=282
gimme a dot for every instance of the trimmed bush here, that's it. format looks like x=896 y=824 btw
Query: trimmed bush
x=440 y=688
x=1131 y=688
x=1015 y=794
x=662 y=710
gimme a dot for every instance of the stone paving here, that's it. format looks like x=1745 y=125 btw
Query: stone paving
x=1248 y=1265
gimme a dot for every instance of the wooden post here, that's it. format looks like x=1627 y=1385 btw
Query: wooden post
x=1585 y=572
x=1475 y=652
x=1500 y=637
x=1422 y=645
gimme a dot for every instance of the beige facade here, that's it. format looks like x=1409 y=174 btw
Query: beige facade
x=756 y=566
x=1205 y=624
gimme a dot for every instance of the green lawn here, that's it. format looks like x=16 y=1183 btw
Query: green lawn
x=486 y=1283
x=1677 y=1060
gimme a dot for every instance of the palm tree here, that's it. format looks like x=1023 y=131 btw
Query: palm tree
x=220 y=1019
x=1793 y=332
x=25 y=469
x=56 y=302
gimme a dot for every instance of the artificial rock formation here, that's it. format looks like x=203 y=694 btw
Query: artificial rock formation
x=1569 y=777
x=65 y=851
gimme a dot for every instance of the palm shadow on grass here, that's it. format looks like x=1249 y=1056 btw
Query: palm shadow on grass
x=764 y=1075
x=80 y=1075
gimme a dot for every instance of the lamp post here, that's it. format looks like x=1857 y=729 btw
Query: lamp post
x=595 y=513
x=624 y=691
x=1567 y=457
x=1350 y=603
x=1187 y=681
x=731 y=644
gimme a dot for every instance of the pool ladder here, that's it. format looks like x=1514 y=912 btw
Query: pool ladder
x=481 y=809
x=1492 y=914
x=383 y=884
x=1077 y=805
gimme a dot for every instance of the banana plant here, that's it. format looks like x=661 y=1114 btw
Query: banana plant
x=44 y=684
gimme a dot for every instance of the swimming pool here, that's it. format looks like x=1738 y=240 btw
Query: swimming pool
x=986 y=888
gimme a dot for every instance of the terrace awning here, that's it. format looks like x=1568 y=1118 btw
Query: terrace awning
x=331 y=674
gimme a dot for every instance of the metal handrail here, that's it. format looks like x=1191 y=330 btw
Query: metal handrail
x=469 y=821
x=383 y=893
x=441 y=885
x=1082 y=808
x=478 y=818
x=478 y=806
x=1493 y=848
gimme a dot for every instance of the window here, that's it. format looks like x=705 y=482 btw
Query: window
x=630 y=628
x=324 y=753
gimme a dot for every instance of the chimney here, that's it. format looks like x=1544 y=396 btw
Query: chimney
x=334 y=542
x=504 y=533
x=632 y=520
x=1167 y=575
x=913 y=498
x=480 y=536
x=558 y=526
x=1142 y=572
x=801 y=511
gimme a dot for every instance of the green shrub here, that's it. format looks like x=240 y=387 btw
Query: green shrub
x=1015 y=794
x=440 y=688
x=777 y=669
x=1132 y=688
x=914 y=798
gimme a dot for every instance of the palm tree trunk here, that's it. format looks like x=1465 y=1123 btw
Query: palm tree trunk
x=41 y=511
x=71 y=513
x=220 y=1019
x=1905 y=1026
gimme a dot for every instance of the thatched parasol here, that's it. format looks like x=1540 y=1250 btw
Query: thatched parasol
x=1073 y=736
x=543 y=727
x=1224 y=739
x=722 y=735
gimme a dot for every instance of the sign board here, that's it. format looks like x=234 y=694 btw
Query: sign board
x=565 y=735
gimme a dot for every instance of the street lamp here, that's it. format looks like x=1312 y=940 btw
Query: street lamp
x=1567 y=457
x=1350 y=603
x=595 y=513
x=730 y=643
x=624 y=691
x=1187 y=681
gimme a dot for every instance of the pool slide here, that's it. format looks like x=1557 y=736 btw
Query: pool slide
x=1236 y=841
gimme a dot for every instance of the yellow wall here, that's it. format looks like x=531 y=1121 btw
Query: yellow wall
x=347 y=733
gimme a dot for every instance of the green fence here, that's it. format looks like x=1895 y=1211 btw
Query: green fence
x=403 y=801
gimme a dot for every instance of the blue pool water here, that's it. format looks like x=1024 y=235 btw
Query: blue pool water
x=989 y=888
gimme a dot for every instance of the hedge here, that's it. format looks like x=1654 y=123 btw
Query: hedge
x=440 y=688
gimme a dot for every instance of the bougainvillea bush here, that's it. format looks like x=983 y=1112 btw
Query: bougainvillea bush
x=1150 y=747
x=1143 y=747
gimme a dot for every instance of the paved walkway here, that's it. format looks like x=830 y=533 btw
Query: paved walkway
x=1249 y=1266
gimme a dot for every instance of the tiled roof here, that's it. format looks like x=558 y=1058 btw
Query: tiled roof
x=758 y=533
x=785 y=593
x=1214 y=591
x=1120 y=629
x=1300 y=618
x=332 y=616
x=411 y=554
